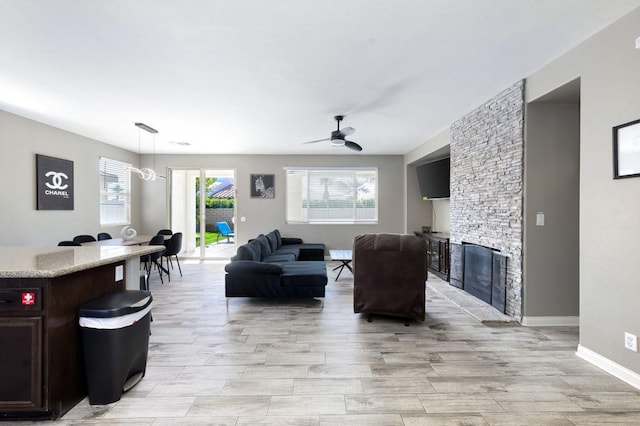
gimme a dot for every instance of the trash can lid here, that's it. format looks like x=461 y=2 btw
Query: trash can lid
x=117 y=304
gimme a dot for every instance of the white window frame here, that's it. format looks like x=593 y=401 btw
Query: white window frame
x=115 y=205
x=300 y=196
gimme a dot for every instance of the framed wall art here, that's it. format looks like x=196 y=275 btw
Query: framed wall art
x=54 y=183
x=263 y=186
x=626 y=150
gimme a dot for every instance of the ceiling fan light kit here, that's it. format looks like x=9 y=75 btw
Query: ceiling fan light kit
x=338 y=136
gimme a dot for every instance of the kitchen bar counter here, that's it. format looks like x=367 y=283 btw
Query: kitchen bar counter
x=51 y=262
x=41 y=292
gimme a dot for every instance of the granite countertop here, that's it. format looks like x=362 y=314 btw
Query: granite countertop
x=50 y=262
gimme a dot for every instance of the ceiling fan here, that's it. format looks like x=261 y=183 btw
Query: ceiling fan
x=338 y=136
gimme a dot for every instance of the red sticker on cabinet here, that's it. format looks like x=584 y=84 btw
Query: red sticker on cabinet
x=28 y=298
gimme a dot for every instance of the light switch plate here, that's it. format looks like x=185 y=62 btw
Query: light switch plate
x=540 y=219
x=631 y=342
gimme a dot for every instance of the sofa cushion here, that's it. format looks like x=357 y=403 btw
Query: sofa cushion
x=307 y=251
x=280 y=258
x=252 y=267
x=273 y=241
x=248 y=252
x=257 y=247
x=304 y=274
x=265 y=247
x=291 y=251
x=278 y=236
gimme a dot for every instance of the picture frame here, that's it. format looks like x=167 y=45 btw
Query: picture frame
x=263 y=186
x=626 y=150
x=54 y=183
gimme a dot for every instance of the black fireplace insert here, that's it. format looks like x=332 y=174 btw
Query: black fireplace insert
x=485 y=274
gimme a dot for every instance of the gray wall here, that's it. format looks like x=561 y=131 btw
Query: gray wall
x=263 y=215
x=608 y=66
x=552 y=186
x=20 y=222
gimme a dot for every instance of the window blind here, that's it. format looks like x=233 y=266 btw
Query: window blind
x=115 y=192
x=332 y=195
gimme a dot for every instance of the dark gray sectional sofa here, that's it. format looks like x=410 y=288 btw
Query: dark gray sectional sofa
x=276 y=266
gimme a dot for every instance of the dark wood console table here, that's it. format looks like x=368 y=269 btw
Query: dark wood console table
x=438 y=254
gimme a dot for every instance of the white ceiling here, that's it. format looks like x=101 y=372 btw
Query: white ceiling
x=261 y=77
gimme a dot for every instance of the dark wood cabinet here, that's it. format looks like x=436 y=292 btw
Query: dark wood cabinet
x=41 y=365
x=438 y=255
x=21 y=370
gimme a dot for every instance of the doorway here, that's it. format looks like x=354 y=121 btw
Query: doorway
x=200 y=198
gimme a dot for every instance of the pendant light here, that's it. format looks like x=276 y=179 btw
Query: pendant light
x=146 y=173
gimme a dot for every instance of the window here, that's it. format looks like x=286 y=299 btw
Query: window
x=115 y=192
x=332 y=195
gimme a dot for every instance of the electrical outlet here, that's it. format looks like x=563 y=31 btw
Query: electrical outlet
x=119 y=273
x=631 y=341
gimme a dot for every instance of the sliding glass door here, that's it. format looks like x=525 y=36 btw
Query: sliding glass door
x=200 y=198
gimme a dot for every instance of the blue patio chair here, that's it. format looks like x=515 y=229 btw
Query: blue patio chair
x=224 y=231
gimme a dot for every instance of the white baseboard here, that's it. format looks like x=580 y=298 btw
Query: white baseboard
x=609 y=366
x=550 y=321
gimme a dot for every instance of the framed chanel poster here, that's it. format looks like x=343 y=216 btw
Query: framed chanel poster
x=54 y=183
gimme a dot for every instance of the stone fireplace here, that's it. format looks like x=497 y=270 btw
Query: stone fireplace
x=487 y=170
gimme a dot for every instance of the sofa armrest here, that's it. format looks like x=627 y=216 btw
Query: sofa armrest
x=291 y=240
x=253 y=267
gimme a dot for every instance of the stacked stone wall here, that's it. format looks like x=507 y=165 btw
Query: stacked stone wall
x=487 y=172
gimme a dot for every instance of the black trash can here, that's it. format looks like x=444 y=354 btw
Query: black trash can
x=115 y=340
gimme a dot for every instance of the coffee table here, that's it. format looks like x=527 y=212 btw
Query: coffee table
x=344 y=257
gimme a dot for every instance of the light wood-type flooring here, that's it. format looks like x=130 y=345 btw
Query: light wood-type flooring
x=294 y=362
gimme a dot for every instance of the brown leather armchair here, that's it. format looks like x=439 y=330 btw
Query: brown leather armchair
x=390 y=271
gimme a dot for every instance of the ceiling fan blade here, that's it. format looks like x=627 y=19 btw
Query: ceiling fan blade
x=319 y=140
x=352 y=145
x=347 y=131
